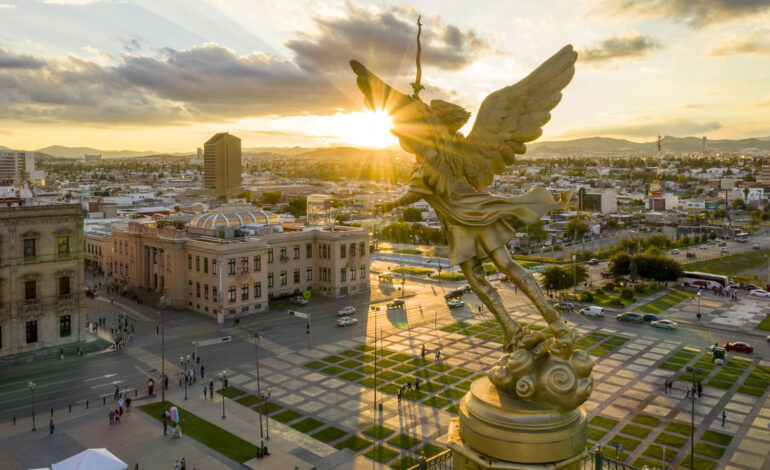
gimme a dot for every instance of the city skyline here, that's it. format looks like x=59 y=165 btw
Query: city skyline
x=140 y=75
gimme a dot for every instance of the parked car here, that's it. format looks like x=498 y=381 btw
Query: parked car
x=454 y=303
x=593 y=261
x=299 y=300
x=649 y=317
x=565 y=306
x=466 y=288
x=755 y=246
x=690 y=255
x=630 y=317
x=704 y=247
x=606 y=274
x=593 y=311
x=398 y=303
x=750 y=287
x=346 y=311
x=760 y=293
x=675 y=251
x=665 y=324
x=347 y=321
x=454 y=294
x=739 y=346
x=724 y=249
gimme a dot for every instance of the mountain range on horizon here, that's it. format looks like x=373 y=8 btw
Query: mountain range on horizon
x=594 y=145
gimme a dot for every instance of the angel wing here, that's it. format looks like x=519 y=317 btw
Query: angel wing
x=514 y=115
x=378 y=95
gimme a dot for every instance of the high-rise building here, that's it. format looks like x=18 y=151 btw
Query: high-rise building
x=222 y=165
x=199 y=155
x=18 y=166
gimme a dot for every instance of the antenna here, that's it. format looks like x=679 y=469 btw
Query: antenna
x=416 y=85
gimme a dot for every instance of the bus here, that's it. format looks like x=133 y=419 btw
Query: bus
x=704 y=280
x=742 y=237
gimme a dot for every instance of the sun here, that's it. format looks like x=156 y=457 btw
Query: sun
x=364 y=129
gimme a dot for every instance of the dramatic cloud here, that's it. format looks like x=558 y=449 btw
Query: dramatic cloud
x=212 y=82
x=696 y=13
x=619 y=47
x=647 y=127
x=758 y=44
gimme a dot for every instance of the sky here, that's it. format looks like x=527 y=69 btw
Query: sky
x=164 y=75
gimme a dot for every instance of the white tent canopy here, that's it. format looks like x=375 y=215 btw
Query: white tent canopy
x=91 y=459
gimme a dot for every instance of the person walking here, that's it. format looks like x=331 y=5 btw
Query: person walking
x=399 y=396
x=115 y=395
x=112 y=417
x=423 y=351
x=417 y=384
x=724 y=415
x=128 y=404
x=205 y=389
x=211 y=389
x=700 y=389
x=176 y=464
x=201 y=369
x=688 y=393
x=183 y=464
x=50 y=425
x=164 y=417
x=117 y=417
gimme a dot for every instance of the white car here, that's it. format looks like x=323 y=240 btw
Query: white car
x=724 y=249
x=299 y=300
x=704 y=247
x=675 y=251
x=666 y=324
x=593 y=311
x=454 y=303
x=346 y=321
x=760 y=293
x=346 y=311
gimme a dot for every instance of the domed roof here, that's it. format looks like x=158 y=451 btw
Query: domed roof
x=234 y=216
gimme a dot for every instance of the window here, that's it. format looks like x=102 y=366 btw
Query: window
x=63 y=245
x=269 y=255
x=284 y=278
x=189 y=261
x=198 y=289
x=64 y=285
x=189 y=287
x=214 y=294
x=284 y=257
x=258 y=263
x=29 y=249
x=30 y=290
x=309 y=274
x=342 y=275
x=296 y=251
x=344 y=290
x=352 y=250
x=362 y=271
x=198 y=263
x=231 y=294
x=309 y=250
x=244 y=264
x=65 y=326
x=343 y=251
x=244 y=292
x=206 y=291
x=362 y=249
x=205 y=265
x=257 y=290
x=296 y=275
x=270 y=280
x=231 y=266
x=31 y=332
x=214 y=266
x=352 y=274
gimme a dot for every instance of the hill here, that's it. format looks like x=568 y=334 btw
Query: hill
x=606 y=145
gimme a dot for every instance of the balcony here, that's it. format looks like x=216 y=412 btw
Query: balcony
x=64 y=255
x=31 y=305
x=30 y=259
x=65 y=298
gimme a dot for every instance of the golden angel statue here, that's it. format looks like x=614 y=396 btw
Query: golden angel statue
x=450 y=173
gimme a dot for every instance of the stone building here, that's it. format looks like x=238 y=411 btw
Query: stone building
x=42 y=302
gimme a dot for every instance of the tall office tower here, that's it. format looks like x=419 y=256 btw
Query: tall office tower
x=222 y=165
x=199 y=156
x=18 y=166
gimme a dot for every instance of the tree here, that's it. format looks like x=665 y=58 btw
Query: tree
x=719 y=214
x=633 y=271
x=658 y=240
x=411 y=214
x=738 y=204
x=575 y=228
x=245 y=194
x=271 y=197
x=620 y=264
x=298 y=206
x=558 y=278
x=398 y=232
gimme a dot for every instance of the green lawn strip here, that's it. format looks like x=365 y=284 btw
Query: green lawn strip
x=366 y=358
x=391 y=389
x=453 y=393
x=677 y=360
x=605 y=346
x=355 y=443
x=449 y=328
x=704 y=365
x=477 y=328
x=719 y=384
x=385 y=363
x=671 y=440
x=709 y=450
x=350 y=353
x=418 y=361
x=425 y=373
x=413 y=395
x=351 y=376
x=405 y=463
x=641 y=462
x=745 y=389
x=660 y=453
x=763 y=369
x=687 y=377
x=613 y=454
x=405 y=379
x=601 y=421
x=371 y=382
x=378 y=432
x=367 y=370
x=756 y=383
x=598 y=352
x=454 y=409
x=764 y=324
x=248 y=400
x=732 y=370
x=440 y=367
x=717 y=438
x=756 y=374
x=615 y=342
x=685 y=354
x=636 y=431
x=595 y=434
x=628 y=443
x=437 y=402
x=332 y=370
x=286 y=416
x=231 y=392
x=388 y=375
x=430 y=450
x=380 y=453
x=403 y=441
x=486 y=336
x=400 y=357
x=465 y=385
x=329 y=434
x=731 y=264
x=663 y=303
x=679 y=428
x=647 y=420
x=384 y=352
x=738 y=362
x=350 y=364
x=212 y=436
x=461 y=372
x=307 y=425
x=446 y=379
x=725 y=377
x=669 y=366
x=333 y=359
x=365 y=348
x=701 y=463
x=315 y=365
x=267 y=408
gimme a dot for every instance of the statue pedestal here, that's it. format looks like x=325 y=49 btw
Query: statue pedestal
x=496 y=430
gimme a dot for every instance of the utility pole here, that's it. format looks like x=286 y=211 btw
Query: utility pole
x=162 y=357
x=261 y=451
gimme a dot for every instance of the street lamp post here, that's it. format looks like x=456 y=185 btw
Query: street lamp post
x=185 y=363
x=574 y=274
x=223 y=379
x=261 y=451
x=162 y=357
x=266 y=397
x=32 y=386
x=699 y=304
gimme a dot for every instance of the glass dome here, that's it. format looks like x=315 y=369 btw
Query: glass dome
x=234 y=216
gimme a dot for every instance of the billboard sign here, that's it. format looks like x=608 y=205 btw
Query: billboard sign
x=728 y=183
x=655 y=189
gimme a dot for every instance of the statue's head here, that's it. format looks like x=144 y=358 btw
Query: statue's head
x=452 y=116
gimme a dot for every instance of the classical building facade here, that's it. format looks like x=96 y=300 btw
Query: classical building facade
x=42 y=301
x=235 y=259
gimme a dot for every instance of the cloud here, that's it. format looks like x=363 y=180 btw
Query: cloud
x=646 y=127
x=757 y=44
x=693 y=106
x=7 y=5
x=625 y=46
x=10 y=60
x=696 y=13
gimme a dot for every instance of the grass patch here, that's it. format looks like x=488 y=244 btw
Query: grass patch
x=378 y=432
x=603 y=422
x=598 y=352
x=454 y=409
x=355 y=443
x=367 y=370
x=670 y=366
x=465 y=385
x=756 y=383
x=731 y=264
x=721 y=385
x=400 y=357
x=412 y=271
x=351 y=376
x=440 y=367
x=404 y=368
x=248 y=400
x=267 y=408
x=231 y=392
x=329 y=434
x=447 y=379
x=437 y=402
x=453 y=393
x=388 y=375
x=350 y=364
x=212 y=436
x=453 y=277
x=665 y=302
x=332 y=370
x=677 y=360
x=403 y=441
x=405 y=463
x=700 y=463
x=425 y=373
x=641 y=462
x=757 y=392
x=660 y=453
x=391 y=389
x=286 y=416
x=307 y=425
x=595 y=434
x=315 y=365
x=430 y=450
x=764 y=324
x=717 y=438
x=418 y=361
x=709 y=450
x=679 y=428
x=366 y=358
x=350 y=353
x=413 y=395
x=380 y=453
x=636 y=431
x=646 y=419
x=365 y=348
x=628 y=443
x=671 y=440
x=333 y=359
x=386 y=363
x=371 y=382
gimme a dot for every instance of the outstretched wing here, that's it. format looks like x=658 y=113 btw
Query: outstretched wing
x=514 y=115
x=378 y=95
